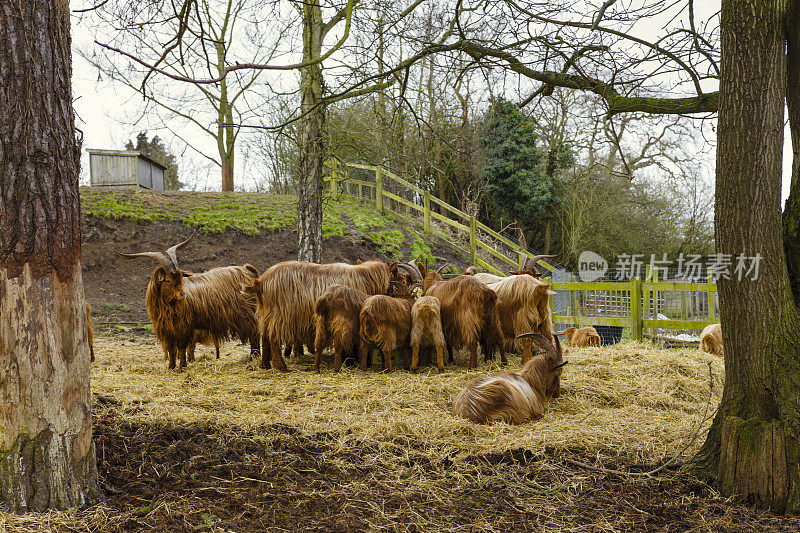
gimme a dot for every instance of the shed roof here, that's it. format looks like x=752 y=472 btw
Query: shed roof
x=98 y=151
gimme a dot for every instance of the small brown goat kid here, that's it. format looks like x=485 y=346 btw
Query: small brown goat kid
x=582 y=338
x=711 y=340
x=287 y=293
x=426 y=329
x=385 y=324
x=336 y=315
x=179 y=305
x=469 y=313
x=514 y=397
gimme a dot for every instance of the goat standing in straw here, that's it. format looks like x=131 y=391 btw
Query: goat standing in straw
x=469 y=314
x=426 y=328
x=287 y=292
x=336 y=314
x=386 y=324
x=514 y=397
x=180 y=304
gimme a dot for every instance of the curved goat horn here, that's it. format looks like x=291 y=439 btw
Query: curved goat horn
x=171 y=251
x=168 y=259
x=531 y=261
x=439 y=270
x=159 y=257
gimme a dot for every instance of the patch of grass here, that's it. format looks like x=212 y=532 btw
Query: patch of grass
x=249 y=213
x=388 y=242
x=421 y=249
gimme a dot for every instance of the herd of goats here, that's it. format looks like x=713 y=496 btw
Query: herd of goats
x=366 y=306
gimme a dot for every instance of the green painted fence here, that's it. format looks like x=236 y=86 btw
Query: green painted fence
x=641 y=303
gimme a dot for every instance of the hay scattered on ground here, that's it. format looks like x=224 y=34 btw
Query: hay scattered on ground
x=628 y=399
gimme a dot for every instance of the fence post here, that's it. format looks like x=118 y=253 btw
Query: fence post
x=472 y=246
x=710 y=280
x=636 y=309
x=378 y=189
x=427 y=220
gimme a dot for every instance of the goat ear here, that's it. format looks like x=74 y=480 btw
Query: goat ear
x=559 y=365
x=392 y=267
x=423 y=271
x=516 y=272
x=359 y=261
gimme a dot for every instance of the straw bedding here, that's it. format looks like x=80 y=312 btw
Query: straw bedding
x=630 y=399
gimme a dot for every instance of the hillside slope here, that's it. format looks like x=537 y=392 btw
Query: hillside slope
x=233 y=228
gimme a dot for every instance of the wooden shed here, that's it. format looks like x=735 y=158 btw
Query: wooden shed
x=124 y=168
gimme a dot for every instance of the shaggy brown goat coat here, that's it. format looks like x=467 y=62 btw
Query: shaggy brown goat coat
x=336 y=314
x=385 y=324
x=90 y=331
x=513 y=397
x=288 y=291
x=711 y=340
x=212 y=302
x=583 y=337
x=469 y=313
x=524 y=306
x=426 y=329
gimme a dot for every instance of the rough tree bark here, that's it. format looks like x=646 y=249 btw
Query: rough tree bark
x=312 y=147
x=47 y=456
x=752 y=447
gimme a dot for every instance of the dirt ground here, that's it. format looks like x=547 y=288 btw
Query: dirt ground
x=190 y=478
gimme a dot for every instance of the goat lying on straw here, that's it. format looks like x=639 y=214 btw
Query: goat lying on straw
x=582 y=338
x=711 y=340
x=514 y=397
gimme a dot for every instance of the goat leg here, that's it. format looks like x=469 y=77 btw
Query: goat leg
x=287 y=352
x=181 y=358
x=298 y=349
x=171 y=355
x=449 y=354
x=387 y=359
x=439 y=358
x=337 y=356
x=190 y=351
x=473 y=355
x=277 y=359
x=265 y=352
x=364 y=353
x=414 y=357
x=255 y=346
x=216 y=346
x=503 y=358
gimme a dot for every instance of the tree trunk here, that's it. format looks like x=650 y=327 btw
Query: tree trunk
x=312 y=148
x=752 y=447
x=46 y=452
x=227 y=172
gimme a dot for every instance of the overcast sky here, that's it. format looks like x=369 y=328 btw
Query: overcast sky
x=103 y=108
